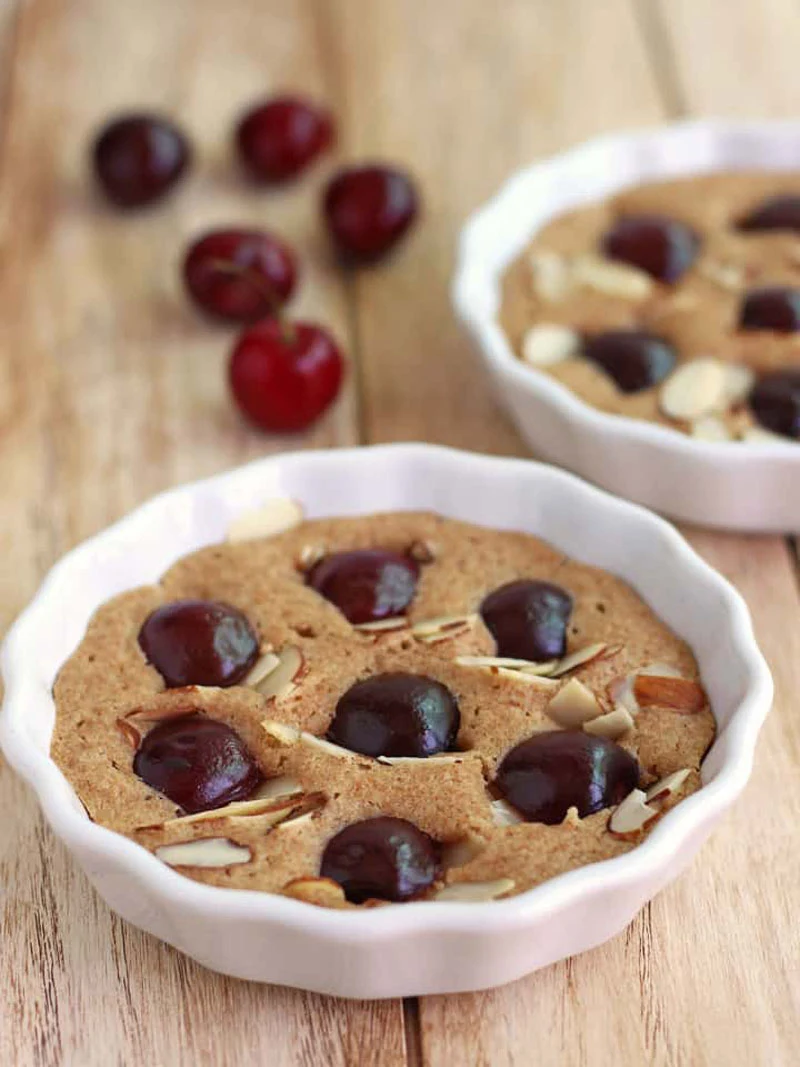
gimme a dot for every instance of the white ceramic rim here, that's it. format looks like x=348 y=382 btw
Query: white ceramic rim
x=657 y=852
x=476 y=293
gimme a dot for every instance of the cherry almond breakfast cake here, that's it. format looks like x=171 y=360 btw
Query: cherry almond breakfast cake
x=676 y=302
x=399 y=706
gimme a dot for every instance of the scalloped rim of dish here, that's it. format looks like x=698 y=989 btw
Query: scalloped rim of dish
x=474 y=281
x=658 y=851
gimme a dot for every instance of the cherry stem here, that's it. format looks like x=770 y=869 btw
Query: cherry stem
x=264 y=289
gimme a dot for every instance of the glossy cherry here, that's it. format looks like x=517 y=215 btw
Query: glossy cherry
x=528 y=619
x=285 y=375
x=635 y=359
x=776 y=308
x=138 y=158
x=775 y=402
x=197 y=762
x=780 y=212
x=199 y=642
x=366 y=584
x=381 y=858
x=280 y=137
x=396 y=714
x=239 y=275
x=551 y=772
x=368 y=209
x=662 y=247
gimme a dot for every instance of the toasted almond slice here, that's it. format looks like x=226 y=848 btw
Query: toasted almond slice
x=442 y=625
x=265 y=665
x=274 y=517
x=632 y=815
x=291 y=735
x=474 y=892
x=160 y=714
x=611 y=278
x=439 y=757
x=505 y=661
x=539 y=681
x=730 y=276
x=550 y=275
x=504 y=815
x=309 y=555
x=546 y=344
x=302 y=818
x=323 y=892
x=710 y=428
x=272 y=788
x=280 y=681
x=611 y=725
x=573 y=705
x=620 y=691
x=544 y=669
x=695 y=389
x=572 y=818
x=204 y=852
x=458 y=853
x=281 y=732
x=279 y=807
x=399 y=622
x=668 y=786
x=677 y=694
x=580 y=657
x=129 y=732
x=422 y=551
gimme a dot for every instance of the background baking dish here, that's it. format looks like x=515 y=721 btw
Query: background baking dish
x=745 y=486
x=414 y=948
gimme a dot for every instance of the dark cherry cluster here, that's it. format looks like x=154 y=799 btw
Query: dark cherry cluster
x=283 y=376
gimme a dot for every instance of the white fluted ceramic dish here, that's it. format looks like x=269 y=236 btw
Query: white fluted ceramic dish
x=415 y=948
x=736 y=485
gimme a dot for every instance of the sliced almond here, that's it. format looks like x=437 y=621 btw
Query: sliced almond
x=291 y=735
x=274 y=810
x=580 y=657
x=265 y=665
x=281 y=680
x=710 y=428
x=539 y=681
x=503 y=814
x=632 y=815
x=475 y=892
x=274 y=517
x=620 y=691
x=668 y=786
x=282 y=786
x=204 y=852
x=573 y=705
x=611 y=278
x=738 y=382
x=129 y=732
x=458 y=853
x=160 y=714
x=695 y=389
x=548 y=343
x=677 y=694
x=442 y=625
x=572 y=818
x=399 y=622
x=422 y=551
x=526 y=665
x=551 y=275
x=728 y=276
x=323 y=892
x=612 y=725
x=439 y=757
x=309 y=555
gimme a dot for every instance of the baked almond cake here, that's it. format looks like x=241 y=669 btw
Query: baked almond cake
x=676 y=302
x=399 y=706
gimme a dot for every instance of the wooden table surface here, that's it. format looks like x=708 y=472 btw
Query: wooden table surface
x=111 y=389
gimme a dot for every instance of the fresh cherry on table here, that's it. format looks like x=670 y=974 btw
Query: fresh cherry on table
x=635 y=359
x=138 y=158
x=528 y=619
x=780 y=212
x=284 y=375
x=199 y=763
x=239 y=275
x=775 y=402
x=382 y=858
x=396 y=714
x=280 y=137
x=551 y=772
x=662 y=247
x=366 y=584
x=199 y=642
x=775 y=308
x=368 y=209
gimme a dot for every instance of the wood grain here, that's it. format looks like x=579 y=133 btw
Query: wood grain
x=110 y=390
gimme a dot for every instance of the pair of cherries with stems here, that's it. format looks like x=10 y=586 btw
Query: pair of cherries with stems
x=283 y=374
